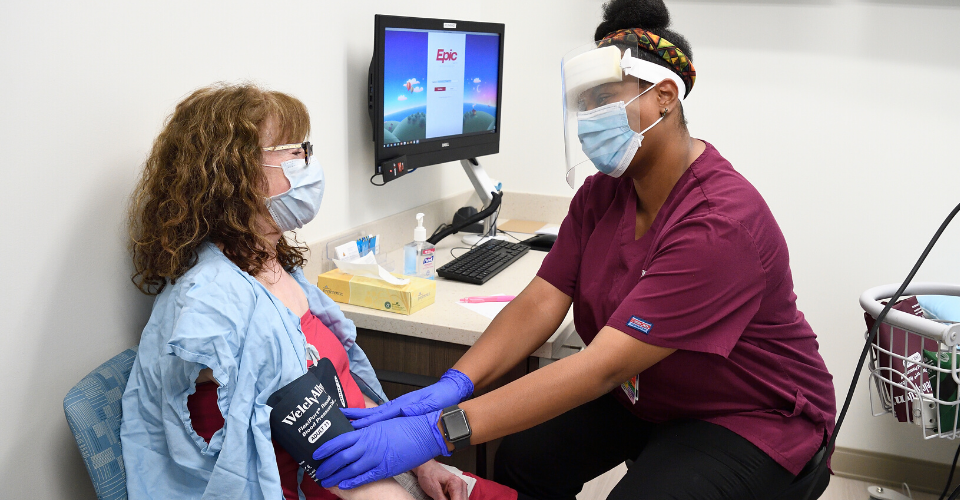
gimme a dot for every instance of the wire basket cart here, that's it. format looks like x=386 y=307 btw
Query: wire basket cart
x=913 y=365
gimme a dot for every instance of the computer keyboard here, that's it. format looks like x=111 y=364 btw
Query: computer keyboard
x=483 y=261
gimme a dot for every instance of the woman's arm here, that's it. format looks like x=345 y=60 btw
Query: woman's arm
x=384 y=489
x=206 y=375
x=520 y=328
x=612 y=358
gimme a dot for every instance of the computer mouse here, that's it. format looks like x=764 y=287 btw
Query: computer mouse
x=542 y=242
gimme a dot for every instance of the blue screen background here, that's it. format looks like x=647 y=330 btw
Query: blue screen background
x=404 y=58
x=405 y=74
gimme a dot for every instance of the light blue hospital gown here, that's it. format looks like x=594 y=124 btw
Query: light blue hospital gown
x=218 y=316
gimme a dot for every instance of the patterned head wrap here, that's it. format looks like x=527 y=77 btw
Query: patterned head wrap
x=650 y=42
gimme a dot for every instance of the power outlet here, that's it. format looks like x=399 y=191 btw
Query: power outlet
x=393 y=168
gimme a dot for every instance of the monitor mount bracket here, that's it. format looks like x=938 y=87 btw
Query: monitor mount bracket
x=485 y=190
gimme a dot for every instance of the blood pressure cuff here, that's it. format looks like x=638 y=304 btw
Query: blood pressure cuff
x=306 y=413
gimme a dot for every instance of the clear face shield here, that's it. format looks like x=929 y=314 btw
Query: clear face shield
x=599 y=84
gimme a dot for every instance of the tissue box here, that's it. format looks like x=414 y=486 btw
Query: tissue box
x=378 y=294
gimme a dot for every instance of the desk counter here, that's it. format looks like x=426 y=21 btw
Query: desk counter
x=447 y=321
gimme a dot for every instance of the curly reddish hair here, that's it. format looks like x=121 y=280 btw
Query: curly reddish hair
x=203 y=181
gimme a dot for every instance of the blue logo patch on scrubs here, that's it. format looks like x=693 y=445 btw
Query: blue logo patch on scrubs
x=639 y=325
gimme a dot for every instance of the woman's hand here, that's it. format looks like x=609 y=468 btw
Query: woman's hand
x=452 y=388
x=439 y=483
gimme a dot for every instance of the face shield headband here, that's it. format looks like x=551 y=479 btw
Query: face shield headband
x=646 y=40
x=651 y=73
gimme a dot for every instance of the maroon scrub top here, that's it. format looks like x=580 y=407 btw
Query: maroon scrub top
x=710 y=278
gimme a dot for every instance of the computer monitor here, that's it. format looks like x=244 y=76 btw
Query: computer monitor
x=435 y=87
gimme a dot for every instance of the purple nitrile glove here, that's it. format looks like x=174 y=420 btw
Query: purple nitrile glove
x=382 y=450
x=452 y=388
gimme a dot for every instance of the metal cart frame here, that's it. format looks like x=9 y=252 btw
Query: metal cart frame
x=934 y=412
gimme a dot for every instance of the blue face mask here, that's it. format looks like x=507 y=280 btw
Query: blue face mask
x=299 y=204
x=606 y=136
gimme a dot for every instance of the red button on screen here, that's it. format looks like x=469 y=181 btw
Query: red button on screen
x=439 y=89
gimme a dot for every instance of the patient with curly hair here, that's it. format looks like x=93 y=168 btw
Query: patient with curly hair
x=234 y=318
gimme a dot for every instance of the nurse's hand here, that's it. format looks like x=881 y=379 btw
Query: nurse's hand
x=452 y=388
x=381 y=450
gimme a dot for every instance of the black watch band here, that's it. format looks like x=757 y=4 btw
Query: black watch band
x=456 y=427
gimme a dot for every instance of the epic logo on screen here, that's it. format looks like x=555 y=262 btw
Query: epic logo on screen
x=446 y=55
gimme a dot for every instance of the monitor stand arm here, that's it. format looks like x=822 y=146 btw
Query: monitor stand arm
x=485 y=189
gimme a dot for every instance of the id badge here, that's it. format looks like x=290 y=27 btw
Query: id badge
x=630 y=389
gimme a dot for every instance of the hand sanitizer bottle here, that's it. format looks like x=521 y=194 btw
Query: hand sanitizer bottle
x=418 y=254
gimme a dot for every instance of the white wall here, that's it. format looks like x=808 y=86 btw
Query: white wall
x=844 y=115
x=841 y=112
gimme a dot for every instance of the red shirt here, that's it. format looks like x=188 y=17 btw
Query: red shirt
x=207 y=419
x=711 y=278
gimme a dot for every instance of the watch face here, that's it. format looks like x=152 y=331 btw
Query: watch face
x=456 y=425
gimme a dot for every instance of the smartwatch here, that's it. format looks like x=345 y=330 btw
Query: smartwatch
x=456 y=428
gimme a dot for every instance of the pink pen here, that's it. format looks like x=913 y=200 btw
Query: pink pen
x=490 y=298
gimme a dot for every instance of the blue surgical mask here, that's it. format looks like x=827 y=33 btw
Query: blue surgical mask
x=606 y=136
x=299 y=204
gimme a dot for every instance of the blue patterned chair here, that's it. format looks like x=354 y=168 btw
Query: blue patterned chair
x=93 y=412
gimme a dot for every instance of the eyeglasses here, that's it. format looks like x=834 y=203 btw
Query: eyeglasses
x=305 y=146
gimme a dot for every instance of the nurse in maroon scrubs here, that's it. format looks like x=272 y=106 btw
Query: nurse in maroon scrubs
x=699 y=367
